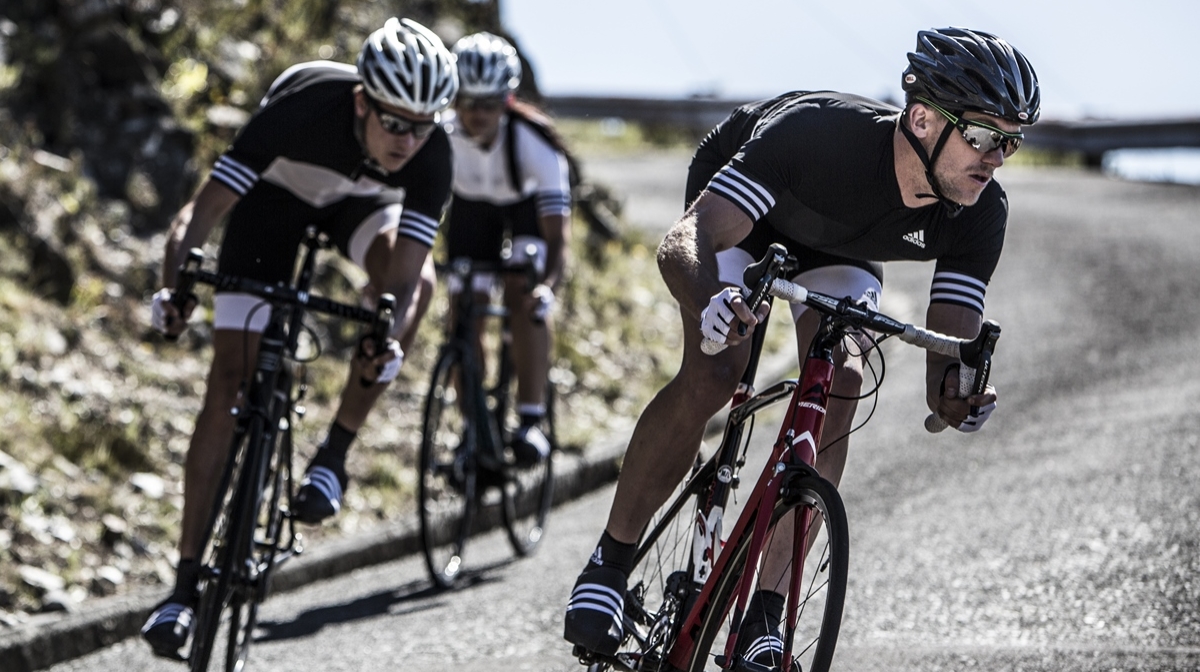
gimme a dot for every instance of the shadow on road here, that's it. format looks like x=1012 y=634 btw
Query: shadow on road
x=419 y=593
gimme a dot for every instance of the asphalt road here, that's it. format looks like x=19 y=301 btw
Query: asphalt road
x=1064 y=537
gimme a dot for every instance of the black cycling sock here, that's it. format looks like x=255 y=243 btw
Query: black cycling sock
x=187 y=575
x=332 y=453
x=768 y=604
x=531 y=419
x=612 y=553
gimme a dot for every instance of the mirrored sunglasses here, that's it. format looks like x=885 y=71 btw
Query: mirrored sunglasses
x=397 y=125
x=981 y=136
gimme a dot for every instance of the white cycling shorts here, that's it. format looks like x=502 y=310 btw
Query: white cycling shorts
x=836 y=281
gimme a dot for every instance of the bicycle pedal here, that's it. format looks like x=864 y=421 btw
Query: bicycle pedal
x=626 y=661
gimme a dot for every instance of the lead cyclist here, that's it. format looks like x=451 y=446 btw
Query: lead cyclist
x=844 y=183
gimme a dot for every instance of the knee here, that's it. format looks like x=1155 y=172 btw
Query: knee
x=709 y=385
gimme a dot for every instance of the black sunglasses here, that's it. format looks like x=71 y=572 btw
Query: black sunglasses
x=397 y=125
x=490 y=104
x=981 y=136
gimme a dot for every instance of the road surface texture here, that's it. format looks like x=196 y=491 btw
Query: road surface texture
x=1064 y=537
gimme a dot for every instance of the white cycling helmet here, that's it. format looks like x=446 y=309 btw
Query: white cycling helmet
x=488 y=65
x=405 y=65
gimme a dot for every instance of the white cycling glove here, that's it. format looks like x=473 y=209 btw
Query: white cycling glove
x=158 y=314
x=716 y=318
x=974 y=421
x=545 y=302
x=392 y=368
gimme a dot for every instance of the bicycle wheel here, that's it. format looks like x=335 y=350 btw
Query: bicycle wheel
x=247 y=595
x=660 y=582
x=221 y=555
x=823 y=592
x=447 y=484
x=528 y=491
x=527 y=495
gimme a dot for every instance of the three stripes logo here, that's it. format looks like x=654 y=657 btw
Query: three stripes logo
x=916 y=238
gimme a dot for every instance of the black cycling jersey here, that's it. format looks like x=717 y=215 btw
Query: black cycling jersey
x=817 y=169
x=298 y=161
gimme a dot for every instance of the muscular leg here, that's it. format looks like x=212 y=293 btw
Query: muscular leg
x=209 y=449
x=530 y=346
x=669 y=432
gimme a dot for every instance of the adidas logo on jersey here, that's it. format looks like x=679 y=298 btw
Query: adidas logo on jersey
x=916 y=238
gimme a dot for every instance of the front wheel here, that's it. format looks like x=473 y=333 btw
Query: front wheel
x=448 y=478
x=822 y=593
x=224 y=553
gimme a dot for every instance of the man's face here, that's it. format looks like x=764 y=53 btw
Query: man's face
x=389 y=149
x=962 y=170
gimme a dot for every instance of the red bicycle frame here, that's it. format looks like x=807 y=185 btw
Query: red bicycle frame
x=797 y=443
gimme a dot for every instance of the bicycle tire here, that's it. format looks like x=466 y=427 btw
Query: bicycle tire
x=820 y=608
x=220 y=556
x=660 y=581
x=446 y=489
x=527 y=492
x=267 y=530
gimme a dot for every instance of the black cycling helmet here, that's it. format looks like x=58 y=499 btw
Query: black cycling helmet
x=963 y=70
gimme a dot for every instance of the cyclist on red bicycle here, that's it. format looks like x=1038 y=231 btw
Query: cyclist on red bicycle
x=844 y=183
x=510 y=179
x=358 y=153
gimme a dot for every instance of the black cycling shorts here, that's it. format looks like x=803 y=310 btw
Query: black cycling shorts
x=262 y=235
x=476 y=229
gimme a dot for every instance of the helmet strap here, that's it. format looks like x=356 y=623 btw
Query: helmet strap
x=952 y=208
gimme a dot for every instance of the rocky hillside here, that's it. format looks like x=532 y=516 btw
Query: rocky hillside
x=110 y=112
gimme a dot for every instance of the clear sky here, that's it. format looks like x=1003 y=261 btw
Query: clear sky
x=1101 y=59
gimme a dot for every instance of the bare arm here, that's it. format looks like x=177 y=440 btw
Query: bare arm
x=556 y=231
x=953 y=321
x=400 y=275
x=193 y=224
x=687 y=257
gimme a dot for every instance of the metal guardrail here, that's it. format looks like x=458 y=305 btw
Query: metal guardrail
x=1088 y=137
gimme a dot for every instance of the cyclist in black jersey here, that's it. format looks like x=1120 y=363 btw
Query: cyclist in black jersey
x=358 y=153
x=510 y=181
x=844 y=183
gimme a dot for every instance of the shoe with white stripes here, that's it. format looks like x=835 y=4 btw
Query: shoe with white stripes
x=320 y=495
x=168 y=628
x=759 y=646
x=594 y=614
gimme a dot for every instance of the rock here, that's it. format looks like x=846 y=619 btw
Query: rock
x=150 y=485
x=114 y=529
x=107 y=580
x=40 y=579
x=56 y=600
x=15 y=478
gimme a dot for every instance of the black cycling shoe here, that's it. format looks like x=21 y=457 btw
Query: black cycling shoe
x=759 y=645
x=320 y=495
x=530 y=446
x=595 y=610
x=169 y=626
